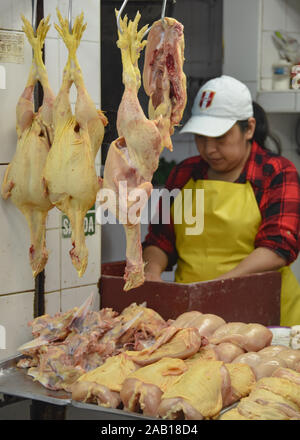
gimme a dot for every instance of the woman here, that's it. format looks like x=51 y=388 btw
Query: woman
x=251 y=200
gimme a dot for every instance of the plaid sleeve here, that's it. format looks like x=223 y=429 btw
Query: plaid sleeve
x=280 y=210
x=162 y=234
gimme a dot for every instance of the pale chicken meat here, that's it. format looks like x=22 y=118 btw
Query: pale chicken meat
x=272 y=398
x=249 y=337
x=70 y=175
x=264 y=362
x=23 y=181
x=133 y=157
x=206 y=323
x=103 y=384
x=204 y=390
x=179 y=343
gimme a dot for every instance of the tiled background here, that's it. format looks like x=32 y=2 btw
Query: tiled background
x=63 y=288
x=248 y=55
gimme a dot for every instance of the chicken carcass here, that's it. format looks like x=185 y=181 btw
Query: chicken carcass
x=23 y=181
x=266 y=361
x=103 y=384
x=199 y=393
x=70 y=176
x=249 y=337
x=205 y=389
x=206 y=323
x=272 y=398
x=133 y=157
x=173 y=343
x=163 y=78
x=142 y=390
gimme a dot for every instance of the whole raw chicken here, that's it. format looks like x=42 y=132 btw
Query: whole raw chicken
x=70 y=175
x=23 y=178
x=133 y=157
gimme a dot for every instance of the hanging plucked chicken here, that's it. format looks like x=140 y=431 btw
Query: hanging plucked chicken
x=70 y=176
x=133 y=157
x=23 y=178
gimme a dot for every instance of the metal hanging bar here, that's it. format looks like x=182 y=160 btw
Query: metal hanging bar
x=70 y=16
x=34 y=14
x=163 y=12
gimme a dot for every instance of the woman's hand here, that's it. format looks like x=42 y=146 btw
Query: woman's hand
x=152 y=276
x=155 y=263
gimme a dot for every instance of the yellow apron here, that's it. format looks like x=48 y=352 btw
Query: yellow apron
x=231 y=221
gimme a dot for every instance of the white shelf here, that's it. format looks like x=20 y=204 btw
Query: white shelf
x=277 y=101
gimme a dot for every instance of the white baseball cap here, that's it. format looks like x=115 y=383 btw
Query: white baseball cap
x=219 y=104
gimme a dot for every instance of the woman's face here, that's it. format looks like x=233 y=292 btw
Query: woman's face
x=229 y=151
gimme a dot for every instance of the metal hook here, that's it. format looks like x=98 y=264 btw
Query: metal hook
x=119 y=15
x=34 y=13
x=70 y=16
x=163 y=12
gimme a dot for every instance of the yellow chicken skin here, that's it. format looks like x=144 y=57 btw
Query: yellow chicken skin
x=23 y=180
x=70 y=176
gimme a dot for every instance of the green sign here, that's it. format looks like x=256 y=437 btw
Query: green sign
x=89 y=224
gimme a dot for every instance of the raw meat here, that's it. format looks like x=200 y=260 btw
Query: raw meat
x=163 y=78
x=267 y=360
x=182 y=344
x=199 y=393
x=23 y=178
x=206 y=323
x=272 y=398
x=103 y=384
x=249 y=337
x=69 y=175
x=142 y=390
x=133 y=157
x=69 y=344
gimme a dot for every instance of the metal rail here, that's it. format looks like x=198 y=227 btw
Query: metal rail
x=163 y=12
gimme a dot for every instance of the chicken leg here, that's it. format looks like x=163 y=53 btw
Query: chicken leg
x=70 y=174
x=23 y=178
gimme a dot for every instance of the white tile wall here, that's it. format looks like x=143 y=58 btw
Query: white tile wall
x=10 y=17
x=90 y=8
x=15 y=313
x=52 y=303
x=71 y=297
x=53 y=266
x=241 y=21
x=69 y=277
x=276 y=15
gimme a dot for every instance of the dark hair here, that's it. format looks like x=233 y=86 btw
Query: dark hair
x=262 y=131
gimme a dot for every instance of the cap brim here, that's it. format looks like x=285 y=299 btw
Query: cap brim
x=205 y=125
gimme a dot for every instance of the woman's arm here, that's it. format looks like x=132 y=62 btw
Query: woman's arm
x=260 y=260
x=156 y=262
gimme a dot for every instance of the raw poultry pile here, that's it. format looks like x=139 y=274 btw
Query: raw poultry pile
x=189 y=368
x=133 y=157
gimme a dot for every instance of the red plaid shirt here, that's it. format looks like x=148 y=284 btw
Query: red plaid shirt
x=276 y=185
